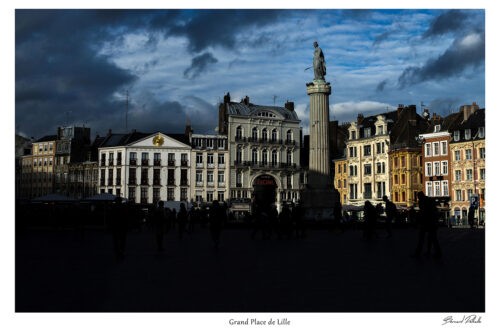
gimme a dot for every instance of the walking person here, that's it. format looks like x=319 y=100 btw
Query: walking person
x=182 y=218
x=159 y=224
x=370 y=219
x=428 y=221
x=390 y=213
x=470 y=217
x=217 y=220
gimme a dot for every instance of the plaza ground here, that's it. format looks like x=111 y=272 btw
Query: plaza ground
x=328 y=271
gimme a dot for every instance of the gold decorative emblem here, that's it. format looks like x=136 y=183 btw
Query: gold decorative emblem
x=158 y=140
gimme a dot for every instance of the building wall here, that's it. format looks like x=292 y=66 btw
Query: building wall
x=340 y=179
x=405 y=176
x=203 y=191
x=244 y=171
x=43 y=158
x=436 y=164
x=464 y=184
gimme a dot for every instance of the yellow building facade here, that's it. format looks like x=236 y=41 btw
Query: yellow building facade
x=405 y=175
x=340 y=179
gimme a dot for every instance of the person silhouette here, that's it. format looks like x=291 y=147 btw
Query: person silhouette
x=159 y=224
x=182 y=218
x=428 y=221
x=217 y=220
x=390 y=213
x=370 y=219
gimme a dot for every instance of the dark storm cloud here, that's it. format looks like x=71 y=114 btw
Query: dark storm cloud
x=199 y=64
x=220 y=27
x=444 y=105
x=450 y=21
x=381 y=86
x=464 y=53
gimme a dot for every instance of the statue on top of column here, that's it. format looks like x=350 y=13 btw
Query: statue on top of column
x=319 y=63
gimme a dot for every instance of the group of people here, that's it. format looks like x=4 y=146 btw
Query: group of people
x=427 y=221
x=267 y=221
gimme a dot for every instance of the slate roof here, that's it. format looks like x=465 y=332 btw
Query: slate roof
x=242 y=109
x=47 y=138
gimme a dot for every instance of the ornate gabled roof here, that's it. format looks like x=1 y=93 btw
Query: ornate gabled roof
x=252 y=110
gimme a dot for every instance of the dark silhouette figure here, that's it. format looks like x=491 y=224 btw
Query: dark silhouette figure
x=285 y=222
x=193 y=219
x=428 y=223
x=337 y=216
x=159 y=224
x=390 y=213
x=470 y=217
x=217 y=220
x=272 y=224
x=182 y=219
x=298 y=221
x=118 y=219
x=370 y=220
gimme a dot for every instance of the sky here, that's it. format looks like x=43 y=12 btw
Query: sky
x=75 y=67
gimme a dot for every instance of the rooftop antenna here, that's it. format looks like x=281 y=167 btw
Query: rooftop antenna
x=126 y=112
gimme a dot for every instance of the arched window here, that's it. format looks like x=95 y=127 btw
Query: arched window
x=274 y=157
x=289 y=157
x=254 y=133
x=289 y=135
x=274 y=135
x=264 y=134
x=264 y=157
x=239 y=132
x=239 y=154
x=254 y=156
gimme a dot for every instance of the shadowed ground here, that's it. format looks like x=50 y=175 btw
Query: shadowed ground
x=65 y=271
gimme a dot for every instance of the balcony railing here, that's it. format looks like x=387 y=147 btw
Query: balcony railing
x=103 y=163
x=144 y=181
x=133 y=161
x=110 y=162
x=119 y=161
x=132 y=181
x=171 y=163
x=265 y=165
x=184 y=182
x=145 y=162
x=184 y=163
x=118 y=181
x=157 y=162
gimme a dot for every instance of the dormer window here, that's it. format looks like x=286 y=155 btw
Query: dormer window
x=367 y=132
x=467 y=134
x=480 y=132
x=353 y=135
x=380 y=130
x=456 y=136
x=437 y=128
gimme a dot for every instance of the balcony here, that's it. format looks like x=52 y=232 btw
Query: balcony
x=132 y=181
x=210 y=165
x=290 y=142
x=103 y=163
x=210 y=184
x=199 y=183
x=157 y=162
x=119 y=161
x=110 y=162
x=199 y=165
x=184 y=182
x=133 y=161
x=184 y=163
x=171 y=163
x=145 y=162
x=144 y=181
x=171 y=182
x=239 y=185
x=239 y=139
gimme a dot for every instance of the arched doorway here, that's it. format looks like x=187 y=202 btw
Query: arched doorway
x=264 y=191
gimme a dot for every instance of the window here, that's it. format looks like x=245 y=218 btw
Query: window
x=221 y=143
x=467 y=134
x=239 y=178
x=458 y=175
x=156 y=158
x=274 y=135
x=289 y=181
x=210 y=143
x=339 y=168
x=468 y=174
x=118 y=158
x=239 y=132
x=220 y=196
x=437 y=168
x=264 y=157
x=353 y=135
x=156 y=194
x=469 y=194
x=254 y=133
x=144 y=176
x=220 y=159
x=457 y=155
x=199 y=159
x=468 y=154
x=110 y=177
x=133 y=158
x=184 y=180
x=184 y=159
x=482 y=153
x=289 y=136
x=184 y=195
x=353 y=170
x=367 y=191
x=210 y=196
x=289 y=157
x=145 y=156
x=220 y=177
x=367 y=150
x=435 y=150
x=444 y=148
x=132 y=176
x=239 y=155
x=396 y=179
x=482 y=174
x=380 y=189
x=456 y=136
x=353 y=191
x=428 y=151
x=437 y=189
x=171 y=159
x=444 y=167
x=199 y=177
x=396 y=162
x=403 y=179
x=380 y=130
x=458 y=195
x=264 y=134
x=428 y=188
x=210 y=160
x=339 y=184
x=274 y=157
x=103 y=159
x=428 y=169
x=480 y=132
x=380 y=167
x=210 y=178
x=171 y=177
x=367 y=132
x=353 y=151
x=131 y=194
x=403 y=162
x=254 y=156
x=144 y=194
x=170 y=194
x=445 y=188
x=368 y=169
x=380 y=147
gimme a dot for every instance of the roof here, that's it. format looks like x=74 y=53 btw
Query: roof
x=407 y=128
x=252 y=110
x=113 y=140
x=47 y=138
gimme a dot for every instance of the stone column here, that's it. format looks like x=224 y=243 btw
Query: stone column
x=319 y=151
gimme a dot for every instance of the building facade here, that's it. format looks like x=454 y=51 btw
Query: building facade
x=340 y=179
x=145 y=168
x=468 y=169
x=210 y=169
x=264 y=147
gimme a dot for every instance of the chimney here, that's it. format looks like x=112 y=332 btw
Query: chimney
x=245 y=100
x=227 y=98
x=360 y=118
x=468 y=110
x=289 y=106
